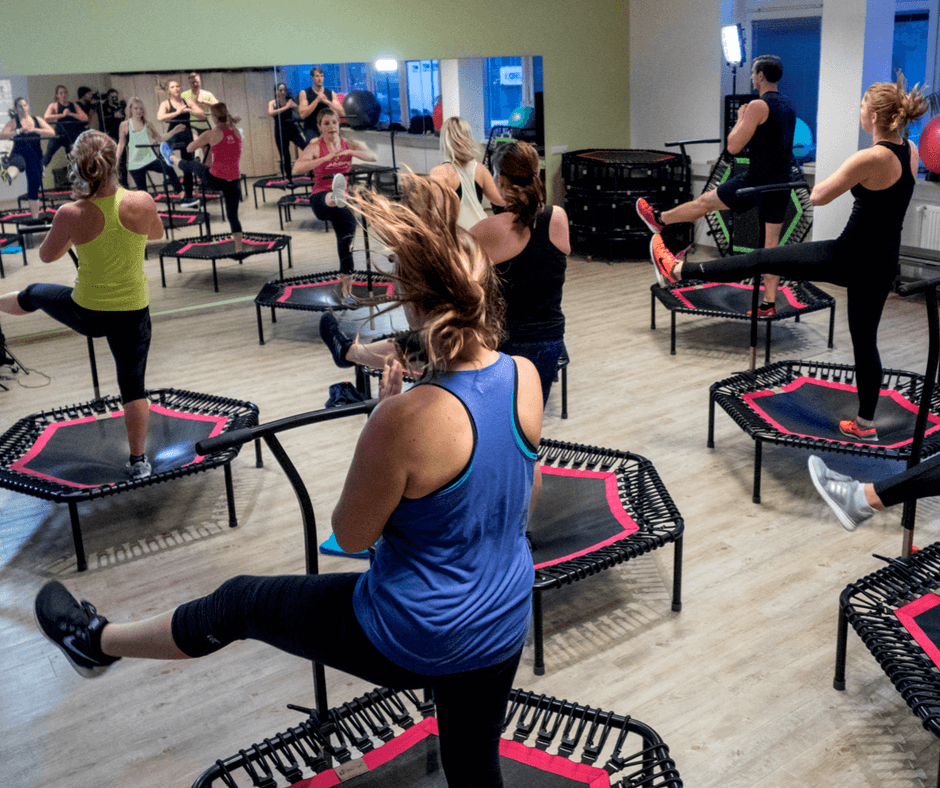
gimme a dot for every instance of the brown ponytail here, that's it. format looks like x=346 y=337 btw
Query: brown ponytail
x=521 y=183
x=93 y=163
x=895 y=106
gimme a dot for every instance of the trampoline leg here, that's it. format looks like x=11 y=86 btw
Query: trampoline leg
x=767 y=350
x=259 y=461
x=652 y=311
x=260 y=327
x=538 y=667
x=255 y=190
x=77 y=537
x=832 y=323
x=290 y=260
x=710 y=443
x=280 y=217
x=215 y=277
x=162 y=272
x=280 y=263
x=273 y=316
x=179 y=265
x=838 y=681
x=672 y=340
x=564 y=392
x=677 y=576
x=230 y=496
x=758 y=451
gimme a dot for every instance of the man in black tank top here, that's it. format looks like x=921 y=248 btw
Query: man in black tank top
x=765 y=127
x=312 y=100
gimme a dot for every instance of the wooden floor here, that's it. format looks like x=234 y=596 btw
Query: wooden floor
x=739 y=683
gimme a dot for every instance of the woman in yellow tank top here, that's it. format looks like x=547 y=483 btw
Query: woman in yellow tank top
x=109 y=228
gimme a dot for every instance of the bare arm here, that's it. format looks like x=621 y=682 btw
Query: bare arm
x=122 y=139
x=306 y=161
x=80 y=113
x=44 y=129
x=490 y=191
x=51 y=114
x=210 y=137
x=335 y=105
x=305 y=108
x=166 y=112
x=750 y=116
x=8 y=131
x=852 y=172
x=155 y=137
x=59 y=239
x=360 y=151
x=558 y=230
x=195 y=110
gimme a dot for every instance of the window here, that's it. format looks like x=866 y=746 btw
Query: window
x=386 y=87
x=909 y=55
x=503 y=89
x=424 y=86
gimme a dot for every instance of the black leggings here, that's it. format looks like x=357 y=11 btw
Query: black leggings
x=286 y=132
x=312 y=617
x=344 y=225
x=921 y=481
x=157 y=165
x=866 y=273
x=232 y=195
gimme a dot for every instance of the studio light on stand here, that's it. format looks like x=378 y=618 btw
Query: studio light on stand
x=732 y=43
x=388 y=66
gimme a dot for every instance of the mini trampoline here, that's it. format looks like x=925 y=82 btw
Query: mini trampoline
x=290 y=201
x=378 y=738
x=733 y=302
x=77 y=453
x=219 y=247
x=175 y=220
x=388 y=737
x=23 y=218
x=896 y=613
x=799 y=404
x=52 y=198
x=280 y=183
x=316 y=293
x=8 y=243
x=169 y=198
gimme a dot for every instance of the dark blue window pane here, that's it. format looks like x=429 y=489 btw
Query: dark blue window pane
x=386 y=84
x=358 y=76
x=909 y=55
x=504 y=82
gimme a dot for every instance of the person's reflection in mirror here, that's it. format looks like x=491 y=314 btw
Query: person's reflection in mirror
x=201 y=98
x=315 y=99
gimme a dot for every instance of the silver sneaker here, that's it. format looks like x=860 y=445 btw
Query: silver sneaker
x=842 y=493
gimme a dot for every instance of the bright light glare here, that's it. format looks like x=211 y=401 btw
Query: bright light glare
x=732 y=44
x=386 y=64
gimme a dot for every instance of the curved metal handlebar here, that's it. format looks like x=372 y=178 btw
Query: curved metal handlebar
x=690 y=142
x=227 y=440
x=771 y=187
x=913 y=288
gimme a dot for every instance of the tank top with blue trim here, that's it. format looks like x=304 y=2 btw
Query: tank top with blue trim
x=451 y=585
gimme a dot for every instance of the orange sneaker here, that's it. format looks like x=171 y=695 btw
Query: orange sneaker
x=663 y=261
x=850 y=427
x=649 y=216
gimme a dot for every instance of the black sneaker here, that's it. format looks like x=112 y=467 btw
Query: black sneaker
x=337 y=342
x=75 y=627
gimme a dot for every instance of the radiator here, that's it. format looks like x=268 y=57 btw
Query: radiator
x=929 y=226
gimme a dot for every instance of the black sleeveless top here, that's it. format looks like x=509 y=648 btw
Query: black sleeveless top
x=532 y=284
x=69 y=127
x=27 y=146
x=310 y=122
x=771 y=147
x=479 y=191
x=182 y=139
x=877 y=216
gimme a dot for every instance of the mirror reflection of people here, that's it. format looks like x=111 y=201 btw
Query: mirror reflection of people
x=26 y=155
x=329 y=157
x=222 y=173
x=173 y=110
x=445 y=474
x=114 y=110
x=854 y=502
x=283 y=109
x=463 y=173
x=90 y=103
x=109 y=228
x=765 y=126
x=864 y=258
x=68 y=121
x=313 y=100
x=137 y=134
x=201 y=98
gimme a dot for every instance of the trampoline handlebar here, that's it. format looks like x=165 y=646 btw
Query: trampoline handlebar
x=681 y=143
x=771 y=187
x=913 y=288
x=228 y=440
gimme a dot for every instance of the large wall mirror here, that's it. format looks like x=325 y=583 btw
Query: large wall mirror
x=485 y=91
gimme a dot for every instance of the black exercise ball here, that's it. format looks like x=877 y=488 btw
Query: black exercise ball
x=362 y=109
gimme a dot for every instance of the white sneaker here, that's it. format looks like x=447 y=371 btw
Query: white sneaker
x=139 y=470
x=190 y=204
x=844 y=494
x=339 y=190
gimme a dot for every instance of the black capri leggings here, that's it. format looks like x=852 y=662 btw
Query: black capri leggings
x=286 y=132
x=921 y=481
x=312 y=617
x=344 y=225
x=838 y=263
x=231 y=192
x=128 y=333
x=157 y=165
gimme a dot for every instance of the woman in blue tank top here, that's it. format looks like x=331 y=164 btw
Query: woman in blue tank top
x=864 y=258
x=444 y=473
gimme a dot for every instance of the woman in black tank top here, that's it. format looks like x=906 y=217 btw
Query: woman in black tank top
x=864 y=258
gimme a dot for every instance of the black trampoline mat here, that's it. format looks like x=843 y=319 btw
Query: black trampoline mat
x=811 y=408
x=921 y=618
x=225 y=247
x=161 y=197
x=178 y=219
x=577 y=512
x=89 y=452
x=25 y=217
x=370 y=326
x=328 y=293
x=413 y=759
x=280 y=182
x=732 y=297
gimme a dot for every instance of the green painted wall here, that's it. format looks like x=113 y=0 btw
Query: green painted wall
x=585 y=46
